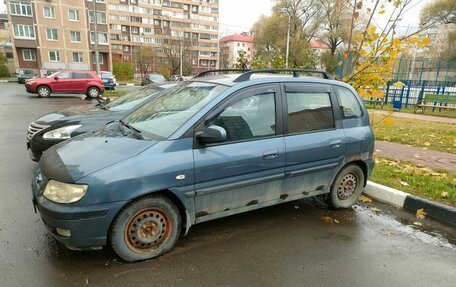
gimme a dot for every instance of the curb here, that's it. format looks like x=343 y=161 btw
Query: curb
x=410 y=202
x=128 y=84
x=8 y=81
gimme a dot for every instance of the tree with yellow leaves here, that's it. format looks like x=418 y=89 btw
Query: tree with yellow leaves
x=372 y=50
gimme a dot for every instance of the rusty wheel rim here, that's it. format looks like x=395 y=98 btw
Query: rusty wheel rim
x=347 y=186
x=147 y=230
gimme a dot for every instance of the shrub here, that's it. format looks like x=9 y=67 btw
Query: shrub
x=123 y=71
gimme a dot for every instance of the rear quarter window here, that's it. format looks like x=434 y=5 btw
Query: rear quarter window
x=348 y=104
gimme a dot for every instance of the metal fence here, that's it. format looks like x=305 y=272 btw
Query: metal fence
x=409 y=93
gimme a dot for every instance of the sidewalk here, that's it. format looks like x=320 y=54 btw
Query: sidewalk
x=428 y=118
x=432 y=159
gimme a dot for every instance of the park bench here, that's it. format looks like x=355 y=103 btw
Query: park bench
x=375 y=100
x=447 y=102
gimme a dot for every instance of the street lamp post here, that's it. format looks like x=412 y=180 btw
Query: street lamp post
x=288 y=36
x=288 y=41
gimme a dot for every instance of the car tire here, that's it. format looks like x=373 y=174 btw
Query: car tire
x=145 y=228
x=43 y=91
x=93 y=92
x=347 y=187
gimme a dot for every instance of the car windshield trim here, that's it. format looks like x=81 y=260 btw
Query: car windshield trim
x=162 y=116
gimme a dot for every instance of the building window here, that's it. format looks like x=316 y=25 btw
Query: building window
x=102 y=38
x=54 y=56
x=24 y=31
x=77 y=57
x=73 y=15
x=28 y=55
x=49 y=12
x=51 y=34
x=101 y=17
x=21 y=9
x=75 y=36
x=100 y=58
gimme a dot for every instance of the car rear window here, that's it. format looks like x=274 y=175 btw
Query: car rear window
x=82 y=76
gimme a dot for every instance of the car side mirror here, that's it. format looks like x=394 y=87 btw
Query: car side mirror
x=212 y=134
x=56 y=78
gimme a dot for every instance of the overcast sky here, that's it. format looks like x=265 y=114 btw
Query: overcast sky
x=239 y=15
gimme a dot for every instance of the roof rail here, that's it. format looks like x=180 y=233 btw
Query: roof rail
x=246 y=76
x=205 y=73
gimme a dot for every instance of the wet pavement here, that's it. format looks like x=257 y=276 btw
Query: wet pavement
x=285 y=245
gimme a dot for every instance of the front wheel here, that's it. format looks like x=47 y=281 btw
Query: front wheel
x=347 y=187
x=93 y=92
x=146 y=228
x=43 y=91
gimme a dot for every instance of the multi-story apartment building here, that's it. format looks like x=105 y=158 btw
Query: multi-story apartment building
x=231 y=45
x=171 y=27
x=6 y=46
x=49 y=35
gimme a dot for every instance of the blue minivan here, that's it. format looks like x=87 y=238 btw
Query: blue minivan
x=204 y=149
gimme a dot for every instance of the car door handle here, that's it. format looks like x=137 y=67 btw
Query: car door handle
x=335 y=144
x=273 y=154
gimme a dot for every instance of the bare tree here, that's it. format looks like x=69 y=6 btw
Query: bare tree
x=144 y=58
x=176 y=50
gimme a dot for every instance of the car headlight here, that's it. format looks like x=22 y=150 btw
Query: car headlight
x=61 y=192
x=29 y=82
x=61 y=133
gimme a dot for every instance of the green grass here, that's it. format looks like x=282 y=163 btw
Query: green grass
x=410 y=110
x=8 y=79
x=431 y=135
x=114 y=94
x=437 y=186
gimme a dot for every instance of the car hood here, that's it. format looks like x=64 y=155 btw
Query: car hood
x=74 y=159
x=76 y=111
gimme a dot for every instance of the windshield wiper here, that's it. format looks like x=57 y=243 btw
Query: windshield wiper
x=134 y=130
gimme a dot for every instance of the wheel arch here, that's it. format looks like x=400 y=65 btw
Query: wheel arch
x=185 y=216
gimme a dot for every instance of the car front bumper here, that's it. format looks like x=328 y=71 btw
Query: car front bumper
x=37 y=145
x=88 y=225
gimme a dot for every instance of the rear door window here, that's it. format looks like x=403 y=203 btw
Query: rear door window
x=309 y=111
x=82 y=76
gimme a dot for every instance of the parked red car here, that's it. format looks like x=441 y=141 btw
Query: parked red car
x=67 y=82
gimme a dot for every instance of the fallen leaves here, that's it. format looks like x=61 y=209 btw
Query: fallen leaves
x=420 y=213
x=365 y=199
x=388 y=233
x=444 y=194
x=376 y=210
x=328 y=219
x=404 y=183
x=427 y=143
x=416 y=223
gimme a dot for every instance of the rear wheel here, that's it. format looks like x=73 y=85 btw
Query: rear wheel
x=347 y=187
x=93 y=92
x=146 y=228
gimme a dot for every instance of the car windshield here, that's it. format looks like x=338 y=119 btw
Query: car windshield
x=106 y=75
x=162 y=116
x=131 y=100
x=156 y=78
x=26 y=72
x=53 y=75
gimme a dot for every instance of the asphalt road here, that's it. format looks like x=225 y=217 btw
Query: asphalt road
x=285 y=245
